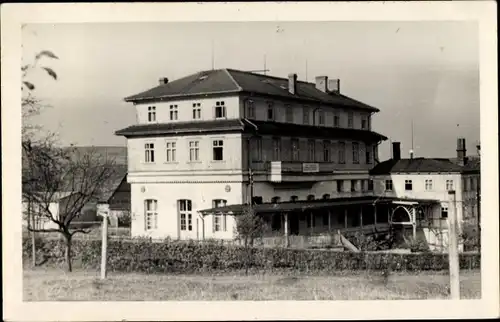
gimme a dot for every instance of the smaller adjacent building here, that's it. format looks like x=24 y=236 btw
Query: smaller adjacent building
x=431 y=179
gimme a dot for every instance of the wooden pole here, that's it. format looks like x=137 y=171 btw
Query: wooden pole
x=104 y=250
x=286 y=230
x=453 y=247
x=414 y=215
x=345 y=218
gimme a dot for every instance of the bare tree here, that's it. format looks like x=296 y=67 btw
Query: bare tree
x=81 y=176
x=32 y=142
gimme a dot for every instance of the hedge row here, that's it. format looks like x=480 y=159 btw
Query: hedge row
x=193 y=257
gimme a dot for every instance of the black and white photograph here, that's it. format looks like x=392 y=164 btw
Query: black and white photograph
x=246 y=159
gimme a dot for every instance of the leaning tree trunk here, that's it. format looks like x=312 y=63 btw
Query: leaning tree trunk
x=68 y=252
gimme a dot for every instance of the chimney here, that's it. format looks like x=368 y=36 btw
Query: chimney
x=396 y=150
x=461 y=151
x=322 y=83
x=292 y=83
x=334 y=85
x=163 y=81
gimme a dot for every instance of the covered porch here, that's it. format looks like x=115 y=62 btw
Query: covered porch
x=321 y=223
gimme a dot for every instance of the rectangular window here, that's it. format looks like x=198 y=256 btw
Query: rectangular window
x=326 y=151
x=428 y=184
x=370 y=185
x=220 y=110
x=363 y=124
x=276 y=222
x=270 y=111
x=444 y=212
x=220 y=220
x=368 y=154
x=350 y=119
x=276 y=149
x=149 y=151
x=355 y=152
x=257 y=149
x=388 y=185
x=305 y=115
x=336 y=120
x=321 y=117
x=186 y=216
x=196 y=111
x=194 y=151
x=295 y=150
x=171 y=148
x=218 y=150
x=289 y=113
x=449 y=185
x=311 y=149
x=341 y=152
x=340 y=185
x=408 y=185
x=151 y=214
x=174 y=113
x=250 y=109
x=151 y=113
x=353 y=185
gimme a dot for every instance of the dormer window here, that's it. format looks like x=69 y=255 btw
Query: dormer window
x=174 y=113
x=151 y=113
x=270 y=111
x=220 y=110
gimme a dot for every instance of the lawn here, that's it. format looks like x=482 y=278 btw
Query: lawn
x=56 y=285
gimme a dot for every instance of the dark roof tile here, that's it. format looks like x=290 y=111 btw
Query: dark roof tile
x=233 y=81
x=416 y=165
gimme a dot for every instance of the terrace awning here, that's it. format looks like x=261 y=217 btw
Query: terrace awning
x=301 y=206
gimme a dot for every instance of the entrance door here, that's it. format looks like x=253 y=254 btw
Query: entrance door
x=294 y=223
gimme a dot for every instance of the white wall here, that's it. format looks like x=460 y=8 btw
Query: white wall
x=167 y=194
x=45 y=222
x=185 y=109
x=438 y=191
x=232 y=154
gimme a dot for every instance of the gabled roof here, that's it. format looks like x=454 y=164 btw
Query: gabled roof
x=420 y=165
x=226 y=81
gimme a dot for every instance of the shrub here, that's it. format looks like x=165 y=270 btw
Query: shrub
x=141 y=255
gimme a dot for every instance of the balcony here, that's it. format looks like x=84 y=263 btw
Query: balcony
x=277 y=169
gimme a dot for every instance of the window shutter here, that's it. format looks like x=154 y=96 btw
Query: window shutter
x=213 y=222
x=224 y=222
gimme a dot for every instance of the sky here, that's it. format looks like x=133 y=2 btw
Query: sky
x=421 y=72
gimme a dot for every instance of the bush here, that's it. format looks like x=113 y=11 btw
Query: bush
x=142 y=255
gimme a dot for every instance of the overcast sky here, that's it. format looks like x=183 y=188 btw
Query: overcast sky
x=425 y=71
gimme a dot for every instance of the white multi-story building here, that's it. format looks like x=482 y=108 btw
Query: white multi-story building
x=304 y=155
x=198 y=138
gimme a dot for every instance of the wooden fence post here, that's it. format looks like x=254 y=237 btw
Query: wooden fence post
x=453 y=247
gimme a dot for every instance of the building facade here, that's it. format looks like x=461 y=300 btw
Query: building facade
x=433 y=179
x=228 y=137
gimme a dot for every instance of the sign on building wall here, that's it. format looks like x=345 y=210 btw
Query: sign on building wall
x=310 y=167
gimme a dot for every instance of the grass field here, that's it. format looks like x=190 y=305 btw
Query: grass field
x=56 y=285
